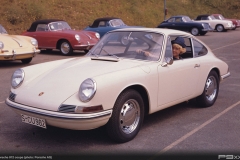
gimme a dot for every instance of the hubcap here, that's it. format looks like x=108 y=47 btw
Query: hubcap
x=194 y=31
x=65 y=48
x=211 y=88
x=220 y=28
x=129 y=116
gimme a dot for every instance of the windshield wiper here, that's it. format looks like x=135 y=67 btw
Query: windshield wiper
x=113 y=55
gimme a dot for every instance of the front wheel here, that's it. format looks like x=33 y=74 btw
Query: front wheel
x=194 y=31
x=66 y=48
x=210 y=92
x=220 y=28
x=127 y=116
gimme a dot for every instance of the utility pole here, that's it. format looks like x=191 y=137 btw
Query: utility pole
x=165 y=10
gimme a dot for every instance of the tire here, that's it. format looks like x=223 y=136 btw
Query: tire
x=220 y=28
x=65 y=48
x=86 y=51
x=194 y=31
x=26 y=61
x=127 y=117
x=210 y=92
x=203 y=33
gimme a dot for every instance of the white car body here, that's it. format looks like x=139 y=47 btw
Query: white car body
x=48 y=86
x=219 y=25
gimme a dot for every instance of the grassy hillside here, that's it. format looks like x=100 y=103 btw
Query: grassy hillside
x=17 y=15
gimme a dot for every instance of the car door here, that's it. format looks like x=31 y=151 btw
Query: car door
x=43 y=36
x=177 y=82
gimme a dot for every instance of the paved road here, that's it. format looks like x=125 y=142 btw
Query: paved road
x=182 y=129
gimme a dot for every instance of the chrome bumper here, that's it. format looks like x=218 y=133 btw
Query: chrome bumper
x=86 y=116
x=225 y=75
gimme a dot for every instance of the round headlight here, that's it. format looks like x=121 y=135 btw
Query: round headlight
x=17 y=78
x=1 y=45
x=77 y=37
x=34 y=42
x=87 y=90
x=97 y=35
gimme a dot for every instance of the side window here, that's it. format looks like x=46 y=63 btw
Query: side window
x=171 y=20
x=188 y=44
x=199 y=49
x=102 y=24
x=179 y=19
x=42 y=27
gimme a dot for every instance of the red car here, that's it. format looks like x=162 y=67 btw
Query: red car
x=57 y=34
x=235 y=22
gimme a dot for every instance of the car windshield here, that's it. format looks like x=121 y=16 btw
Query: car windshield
x=116 y=22
x=60 y=25
x=129 y=45
x=2 y=30
x=219 y=17
x=186 y=19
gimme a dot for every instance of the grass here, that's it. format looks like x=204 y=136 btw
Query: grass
x=17 y=16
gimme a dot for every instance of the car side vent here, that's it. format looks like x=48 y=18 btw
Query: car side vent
x=67 y=108
x=12 y=96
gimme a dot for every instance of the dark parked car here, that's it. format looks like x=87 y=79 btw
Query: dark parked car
x=184 y=23
x=105 y=24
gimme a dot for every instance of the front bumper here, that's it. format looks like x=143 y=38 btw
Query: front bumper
x=225 y=75
x=64 y=120
x=17 y=56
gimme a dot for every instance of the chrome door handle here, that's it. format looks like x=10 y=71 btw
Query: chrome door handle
x=197 y=65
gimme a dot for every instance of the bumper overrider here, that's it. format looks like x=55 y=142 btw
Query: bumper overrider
x=73 y=121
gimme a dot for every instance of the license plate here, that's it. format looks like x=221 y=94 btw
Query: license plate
x=34 y=121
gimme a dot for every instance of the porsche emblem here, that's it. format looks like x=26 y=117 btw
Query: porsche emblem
x=40 y=94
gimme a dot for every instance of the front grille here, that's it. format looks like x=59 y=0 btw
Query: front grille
x=67 y=108
x=12 y=96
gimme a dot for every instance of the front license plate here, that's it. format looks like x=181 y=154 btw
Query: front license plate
x=34 y=121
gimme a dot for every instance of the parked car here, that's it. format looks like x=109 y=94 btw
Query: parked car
x=17 y=47
x=57 y=34
x=236 y=22
x=184 y=23
x=216 y=24
x=116 y=85
x=105 y=24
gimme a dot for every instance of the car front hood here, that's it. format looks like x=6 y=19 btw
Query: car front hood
x=57 y=82
x=14 y=41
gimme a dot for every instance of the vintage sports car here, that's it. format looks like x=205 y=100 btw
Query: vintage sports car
x=17 y=47
x=184 y=23
x=236 y=22
x=216 y=24
x=57 y=34
x=105 y=24
x=117 y=85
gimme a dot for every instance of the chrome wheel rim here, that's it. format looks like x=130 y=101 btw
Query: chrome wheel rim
x=220 y=28
x=194 y=31
x=211 y=88
x=129 y=116
x=65 y=48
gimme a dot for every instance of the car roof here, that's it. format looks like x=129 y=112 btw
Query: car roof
x=43 y=21
x=96 y=21
x=157 y=30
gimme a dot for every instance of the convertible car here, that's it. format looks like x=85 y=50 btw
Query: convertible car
x=57 y=34
x=105 y=24
x=17 y=47
x=184 y=23
x=236 y=22
x=117 y=85
x=216 y=24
